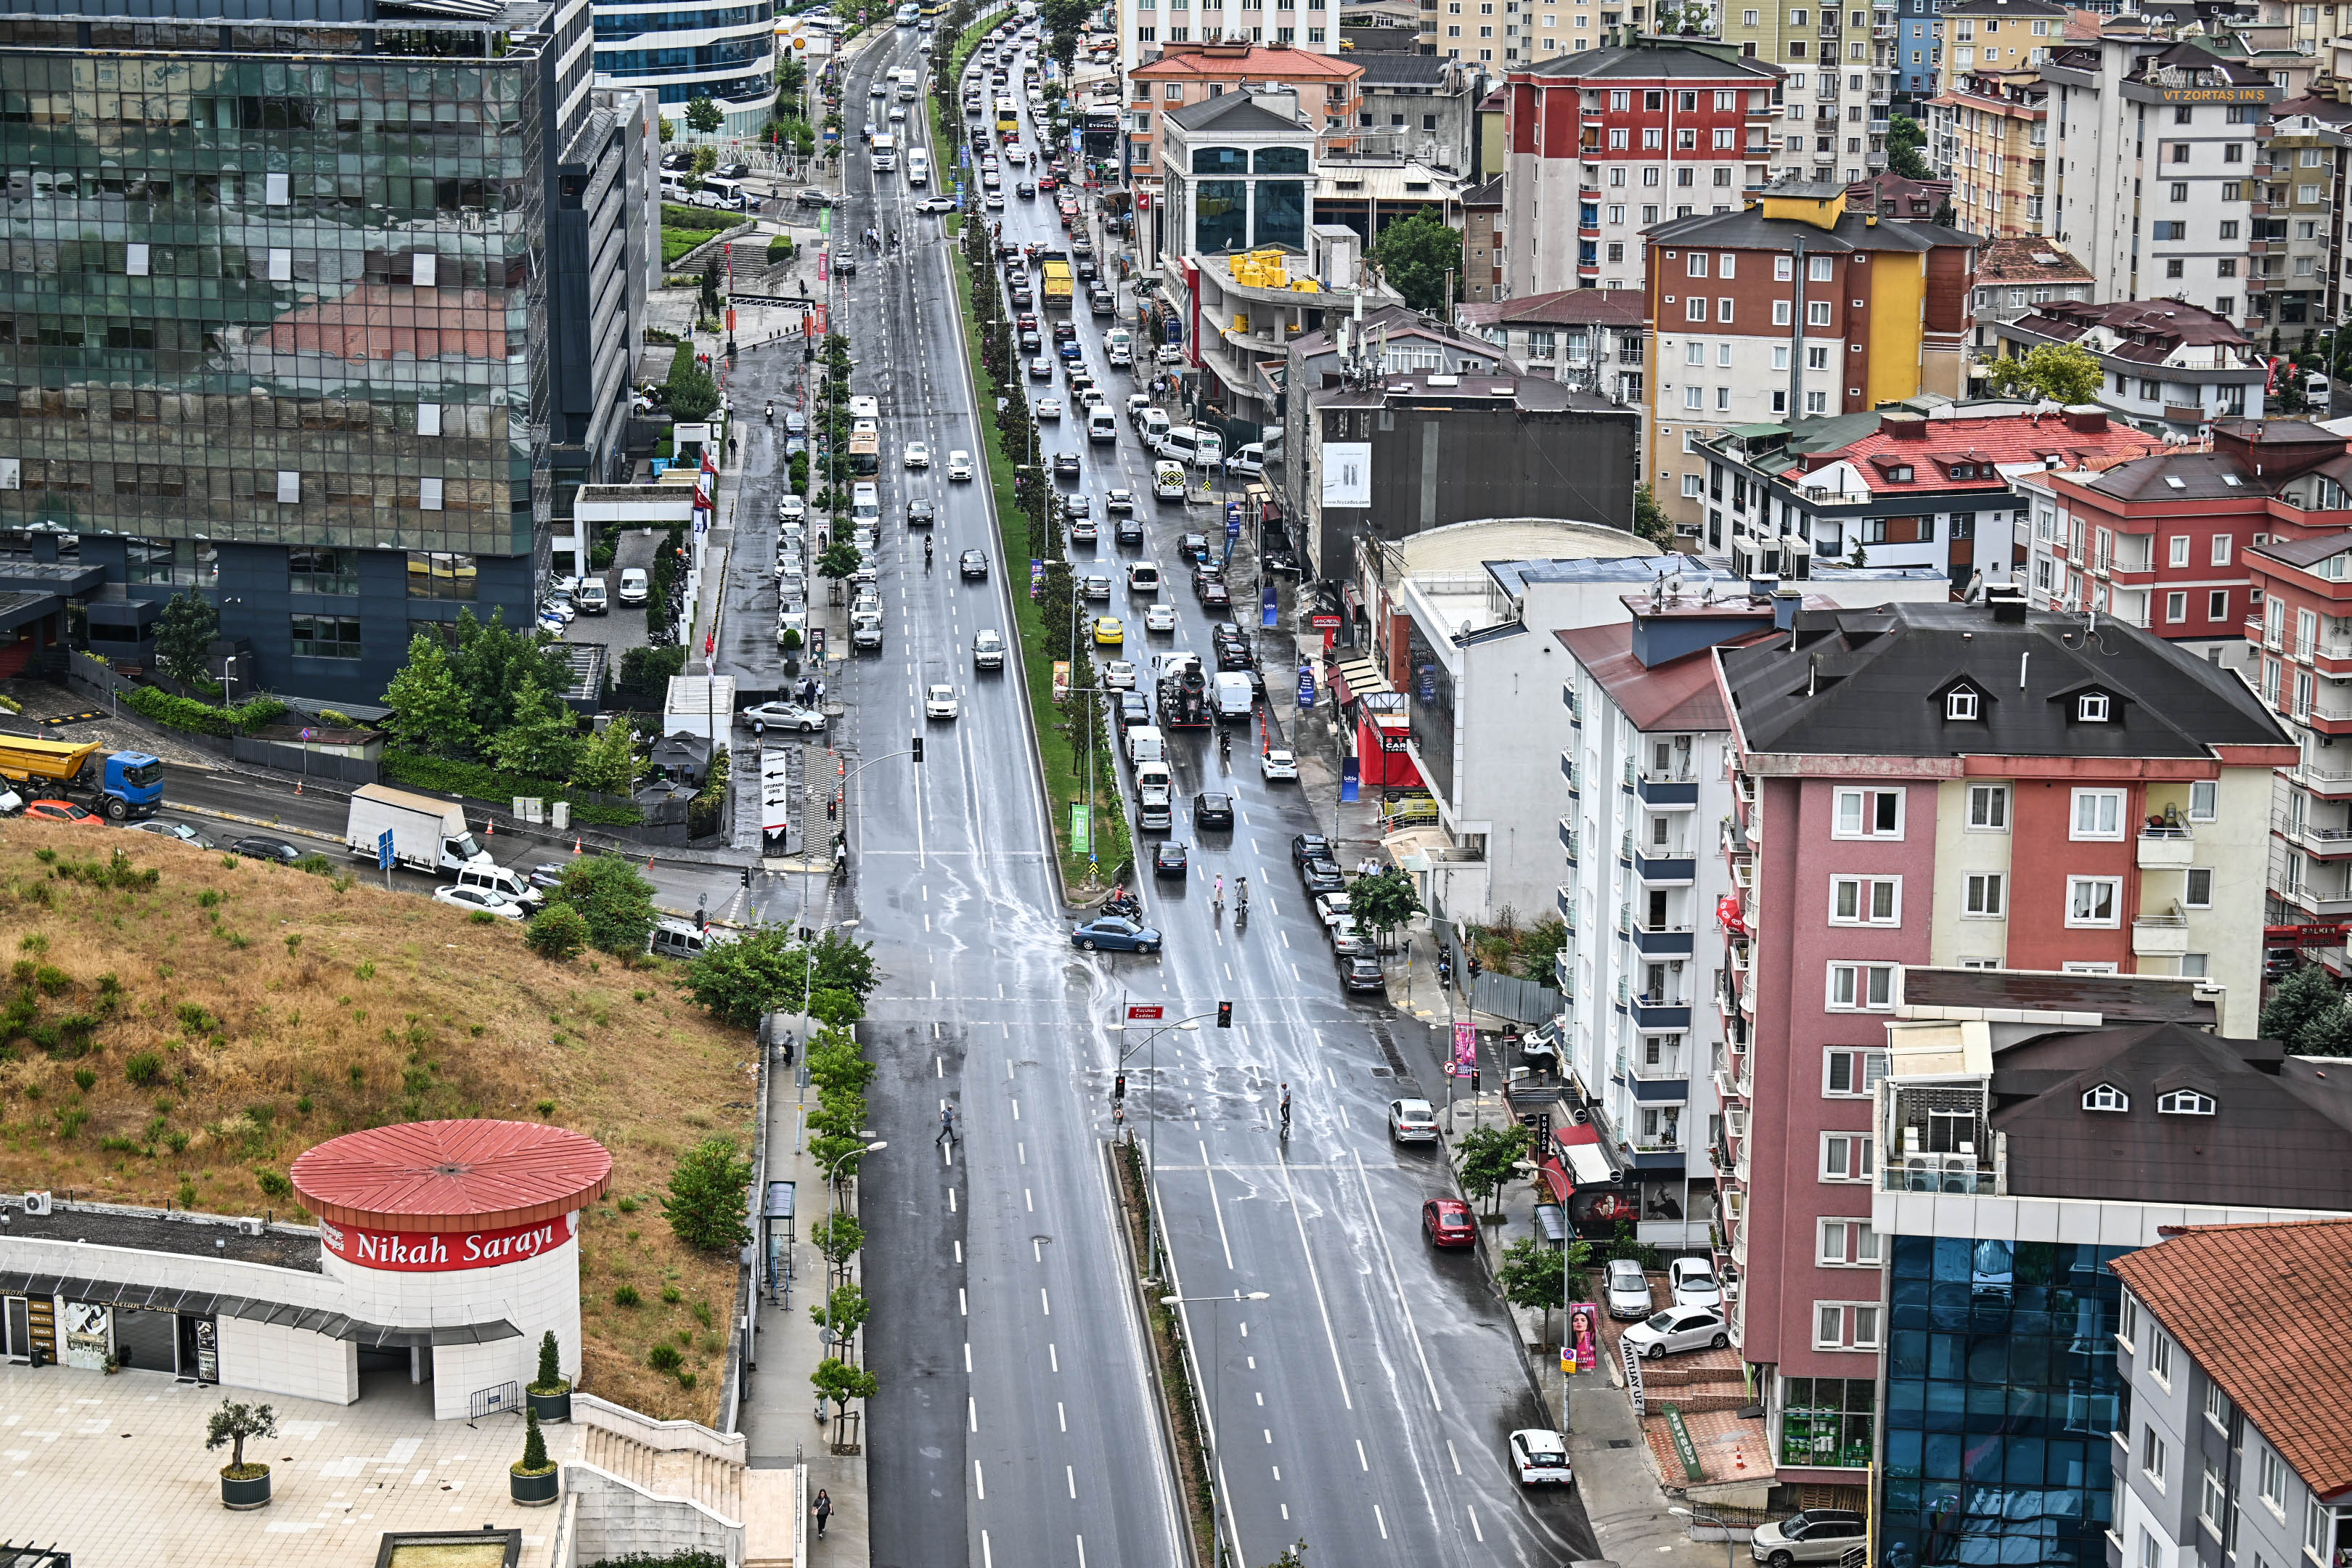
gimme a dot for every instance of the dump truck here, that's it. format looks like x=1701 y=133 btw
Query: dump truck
x=123 y=786
x=427 y=835
x=1054 y=267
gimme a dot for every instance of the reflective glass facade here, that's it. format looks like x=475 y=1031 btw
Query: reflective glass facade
x=2001 y=1389
x=725 y=51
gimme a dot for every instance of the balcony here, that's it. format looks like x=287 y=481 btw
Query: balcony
x=1669 y=1068
x=1568 y=771
x=1668 y=1010
x=1676 y=788
x=2169 y=846
x=2261 y=633
x=2162 y=935
x=1562 y=976
x=2322 y=843
x=1963 y=1174
x=1662 y=942
x=1568 y=838
x=2328 y=783
x=1663 y=867
x=2185 y=413
x=1564 y=900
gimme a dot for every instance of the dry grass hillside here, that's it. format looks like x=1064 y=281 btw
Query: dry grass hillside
x=181 y=1038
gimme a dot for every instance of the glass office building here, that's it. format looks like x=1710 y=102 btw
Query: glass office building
x=2001 y=1389
x=279 y=320
x=724 y=50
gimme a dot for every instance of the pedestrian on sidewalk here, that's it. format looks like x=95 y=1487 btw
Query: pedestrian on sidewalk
x=947 y=1125
x=822 y=1509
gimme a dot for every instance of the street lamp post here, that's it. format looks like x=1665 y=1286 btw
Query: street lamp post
x=1191 y=1026
x=1700 y=1516
x=1216 y=1446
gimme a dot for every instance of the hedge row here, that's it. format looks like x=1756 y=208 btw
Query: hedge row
x=478 y=781
x=200 y=718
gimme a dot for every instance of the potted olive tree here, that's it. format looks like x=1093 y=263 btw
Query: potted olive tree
x=243 y=1486
x=551 y=1391
x=532 y=1479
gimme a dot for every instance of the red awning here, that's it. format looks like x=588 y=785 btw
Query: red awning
x=1555 y=1179
x=1576 y=1132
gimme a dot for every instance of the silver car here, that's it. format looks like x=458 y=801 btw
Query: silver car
x=1413 y=1121
x=1627 y=1289
x=1678 y=1329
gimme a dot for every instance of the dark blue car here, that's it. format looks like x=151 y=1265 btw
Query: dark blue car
x=1115 y=934
x=1073 y=351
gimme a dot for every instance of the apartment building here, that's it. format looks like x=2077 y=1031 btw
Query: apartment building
x=1146 y=28
x=1996 y=37
x=1898 y=487
x=2014 y=276
x=2301 y=658
x=2170 y=365
x=1414 y=105
x=1916 y=54
x=1840 y=64
x=680 y=50
x=1619 y=139
x=2236 y=1442
x=1988 y=132
x=1889 y=195
x=2044 y=1135
x=1482 y=242
x=2160 y=155
x=2166 y=543
x=1792 y=307
x=2301 y=236
x=1589 y=338
x=1963 y=785
x=1323 y=87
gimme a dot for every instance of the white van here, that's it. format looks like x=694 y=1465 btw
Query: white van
x=1143 y=577
x=865 y=505
x=591 y=597
x=499 y=880
x=1153 y=424
x=1102 y=425
x=1180 y=444
x=918 y=166
x=1145 y=743
x=632 y=586
x=1168 y=480
x=864 y=407
x=684 y=939
x=1235 y=698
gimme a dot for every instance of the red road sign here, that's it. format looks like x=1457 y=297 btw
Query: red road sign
x=1143 y=1012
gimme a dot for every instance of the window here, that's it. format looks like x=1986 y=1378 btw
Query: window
x=2217 y=604
x=1988 y=809
x=1817 y=312
x=2217 y=1406
x=1845 y=1157
x=1866 y=900
x=2090 y=709
x=2176 y=608
x=1850 y=1072
x=1845 y=1325
x=2212 y=1499
x=428 y=419
x=2160 y=1353
x=2107 y=1097
x=2093 y=900
x=1694 y=485
x=335 y=572
x=437 y=575
x=1695 y=264
x=1985 y=896
x=289 y=485
x=2197 y=887
x=1860 y=987
x=2179 y=547
x=1961 y=703
x=428 y=494
x=2204 y=799
x=2155 y=1456
x=1870 y=814
x=326 y=636
x=2128 y=1330
x=2271 y=1471
x=2221 y=542
x=2098 y=814
x=2186 y=1103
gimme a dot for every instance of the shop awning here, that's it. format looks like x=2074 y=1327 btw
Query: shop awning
x=1354 y=677
x=375 y=1336
x=1588 y=1163
x=1352 y=599
x=1555 y=1179
x=106 y=1292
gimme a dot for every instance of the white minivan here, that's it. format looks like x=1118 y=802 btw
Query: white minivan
x=865 y=505
x=1235 y=698
x=1102 y=425
x=632 y=586
x=1145 y=743
x=499 y=880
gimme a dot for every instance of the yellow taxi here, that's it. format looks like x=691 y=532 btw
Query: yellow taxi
x=1109 y=632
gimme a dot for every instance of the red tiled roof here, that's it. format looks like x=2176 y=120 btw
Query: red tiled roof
x=446 y=1175
x=1680 y=694
x=2262 y=1308
x=1206 y=63
x=2002 y=438
x=2019 y=261
x=1561 y=306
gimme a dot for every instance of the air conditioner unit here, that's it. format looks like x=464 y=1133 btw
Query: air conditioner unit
x=36 y=1203
x=249 y=1225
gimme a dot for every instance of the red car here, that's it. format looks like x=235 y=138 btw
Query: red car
x=1046 y=181
x=62 y=811
x=1448 y=1222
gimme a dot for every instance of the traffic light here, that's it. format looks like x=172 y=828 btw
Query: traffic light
x=918 y=748
x=1119 y=1087
x=1473 y=1080
x=1225 y=1015
x=746 y=879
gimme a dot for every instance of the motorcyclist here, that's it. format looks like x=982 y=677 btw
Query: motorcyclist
x=927 y=552
x=770 y=413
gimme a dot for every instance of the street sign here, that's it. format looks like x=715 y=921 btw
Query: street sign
x=1306 y=682
x=384 y=850
x=1267 y=610
x=1233 y=523
x=1145 y=1012
x=1081 y=841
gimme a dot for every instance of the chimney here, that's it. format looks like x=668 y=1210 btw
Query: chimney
x=2008 y=602
x=1785 y=601
x=2086 y=419
x=1899 y=427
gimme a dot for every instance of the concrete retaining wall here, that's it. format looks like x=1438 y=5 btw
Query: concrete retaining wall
x=613 y=1518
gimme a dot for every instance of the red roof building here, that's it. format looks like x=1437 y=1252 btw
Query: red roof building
x=452 y=1176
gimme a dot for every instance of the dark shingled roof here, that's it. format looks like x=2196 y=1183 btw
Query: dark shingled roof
x=1231 y=111
x=2276 y=1139
x=1877 y=680
x=1390 y=67
x=1650 y=63
x=1749 y=229
x=2116 y=998
x=2306 y=552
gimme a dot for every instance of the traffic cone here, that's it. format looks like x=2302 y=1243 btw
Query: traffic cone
x=490 y=828
x=575 y=844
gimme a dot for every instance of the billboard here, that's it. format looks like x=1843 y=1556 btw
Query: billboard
x=1347 y=473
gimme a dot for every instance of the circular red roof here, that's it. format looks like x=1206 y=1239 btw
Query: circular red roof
x=452 y=1176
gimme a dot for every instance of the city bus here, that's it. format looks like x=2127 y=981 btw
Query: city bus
x=1008 y=118
x=865 y=454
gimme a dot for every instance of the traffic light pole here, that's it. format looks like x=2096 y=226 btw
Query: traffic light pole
x=1224 y=1014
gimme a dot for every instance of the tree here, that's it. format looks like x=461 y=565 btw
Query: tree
x=665 y=127
x=491 y=665
x=706 y=1203
x=703 y=117
x=551 y=1378
x=183 y=638
x=838 y=1237
x=534 y=1446
x=616 y=902
x=541 y=738
x=711 y=304
x=429 y=709
x=1533 y=1273
x=610 y=763
x=2298 y=1004
x=1648 y=520
x=1415 y=254
x=1062 y=20
x=844 y=1311
x=1384 y=900
x=2329 y=1035
x=2057 y=373
x=1488 y=1156
x=835 y=1064
x=689 y=392
x=737 y=981
x=706 y=158
x=233 y=1424
x=838 y=1381
x=838 y=560
x=557 y=933
x=1904 y=137
x=1292 y=1556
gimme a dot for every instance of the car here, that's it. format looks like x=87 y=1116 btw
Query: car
x=1073 y=350
x=795 y=423
x=1816 y=1535
x=732 y=170
x=1170 y=353
x=987 y=650
x=1691 y=1282
x=865 y=634
x=1361 y=972
x=1134 y=709
x=253 y=846
x=846 y=263
x=1095 y=585
x=1170 y=858
x=1448 y=1223
x=1192 y=547
x=765 y=715
x=1214 y=809
x=1081 y=246
x=1031 y=343
x=479 y=899
x=991 y=198
x=1322 y=875
x=813 y=197
x=1411 y=1121
x=936 y=205
x=918 y=455
x=1539 y=1457
x=1215 y=596
x=1049 y=408
x=1115 y=934
x=939 y=702
x=1109 y=632
x=1277 y=764
x=179 y=830
x=1678 y=1329
x=1066 y=465
x=1119 y=675
x=1119 y=501
x=922 y=512
x=1331 y=909
x=1159 y=618
x=1084 y=531
x=879 y=89
x=974 y=564
x=1077 y=504
x=897 y=115
x=1626 y=1288
x=958 y=466
x=1305 y=847
x=1130 y=529
x=1041 y=368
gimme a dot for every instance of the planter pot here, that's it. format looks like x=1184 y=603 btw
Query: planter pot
x=551 y=1406
x=533 y=1491
x=246 y=1494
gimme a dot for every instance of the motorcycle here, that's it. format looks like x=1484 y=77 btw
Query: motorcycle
x=1125 y=905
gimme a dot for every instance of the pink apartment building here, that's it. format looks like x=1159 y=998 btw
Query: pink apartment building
x=1958 y=784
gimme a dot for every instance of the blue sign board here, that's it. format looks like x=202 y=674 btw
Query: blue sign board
x=1306 y=679
x=384 y=850
x=1233 y=523
x=1350 y=778
x=1266 y=610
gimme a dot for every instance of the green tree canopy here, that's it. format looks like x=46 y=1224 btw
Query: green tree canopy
x=2306 y=1005
x=430 y=711
x=1533 y=1273
x=1415 y=254
x=557 y=933
x=541 y=738
x=1488 y=1154
x=183 y=638
x=708 y=1194
x=611 y=763
x=491 y=665
x=1384 y=900
x=766 y=972
x=1650 y=522
x=1904 y=137
x=2059 y=372
x=841 y=1383
x=615 y=900
x=704 y=117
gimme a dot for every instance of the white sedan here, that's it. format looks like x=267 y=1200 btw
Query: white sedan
x=959 y=465
x=1119 y=501
x=498 y=904
x=1119 y=675
x=939 y=702
x=1278 y=765
x=1160 y=617
x=1049 y=408
x=918 y=455
x=936 y=205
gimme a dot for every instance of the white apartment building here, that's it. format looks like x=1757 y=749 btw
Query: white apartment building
x=1145 y=25
x=2159 y=153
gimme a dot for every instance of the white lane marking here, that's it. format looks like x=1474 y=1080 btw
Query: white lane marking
x=1052 y=1357
x=951 y=1201
x=1277 y=1472
x=1402 y=1302
x=1284 y=934
x=939 y=1067
x=967 y=1358
x=1043 y=1302
x=1380 y=1522
x=1023 y=1149
x=1453 y=1455
x=1036 y=1249
x=1028 y=1201
x=963 y=1308
x=1082 y=1546
x=971 y=1412
x=1474 y=1525
x=1361 y=1461
x=1016 y=1111
x=987 y=1558
x=1224 y=1240
x=1070 y=1476
x=1268 y=1431
x=1315 y=1277
x=1061 y=1416
x=1261 y=1398
x=979 y=1485
x=959 y=1252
